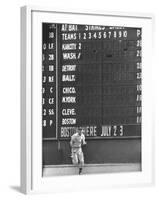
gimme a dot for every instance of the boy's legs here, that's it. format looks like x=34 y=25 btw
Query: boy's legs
x=81 y=161
x=74 y=158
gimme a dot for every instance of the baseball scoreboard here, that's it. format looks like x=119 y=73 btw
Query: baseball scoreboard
x=91 y=78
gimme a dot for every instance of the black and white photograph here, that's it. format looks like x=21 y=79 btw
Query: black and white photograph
x=91 y=99
x=79 y=100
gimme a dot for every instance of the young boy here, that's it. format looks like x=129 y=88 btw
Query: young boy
x=77 y=140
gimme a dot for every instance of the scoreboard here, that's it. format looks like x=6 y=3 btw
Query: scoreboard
x=91 y=78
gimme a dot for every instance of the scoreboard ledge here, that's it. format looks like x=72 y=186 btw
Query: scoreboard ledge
x=96 y=138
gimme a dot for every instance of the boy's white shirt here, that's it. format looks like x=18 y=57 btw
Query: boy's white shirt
x=82 y=138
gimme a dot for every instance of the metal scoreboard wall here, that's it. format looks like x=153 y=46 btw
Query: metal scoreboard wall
x=91 y=79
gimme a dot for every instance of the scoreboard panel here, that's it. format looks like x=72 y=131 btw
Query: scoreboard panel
x=91 y=79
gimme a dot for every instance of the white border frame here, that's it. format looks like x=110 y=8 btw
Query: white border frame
x=31 y=148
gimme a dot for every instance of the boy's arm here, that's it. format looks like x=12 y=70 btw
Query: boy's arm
x=83 y=139
x=71 y=141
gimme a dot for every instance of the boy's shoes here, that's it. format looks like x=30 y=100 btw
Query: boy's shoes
x=80 y=171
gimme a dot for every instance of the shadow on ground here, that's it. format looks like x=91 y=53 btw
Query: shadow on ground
x=16 y=188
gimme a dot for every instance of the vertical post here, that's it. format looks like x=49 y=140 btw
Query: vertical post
x=57 y=65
